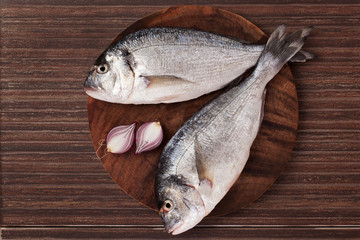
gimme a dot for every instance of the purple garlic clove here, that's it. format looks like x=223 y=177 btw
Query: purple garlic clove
x=148 y=137
x=120 y=139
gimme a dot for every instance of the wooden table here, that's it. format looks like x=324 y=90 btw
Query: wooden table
x=52 y=184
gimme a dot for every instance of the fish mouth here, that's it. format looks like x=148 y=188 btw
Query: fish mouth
x=173 y=229
x=94 y=93
x=89 y=85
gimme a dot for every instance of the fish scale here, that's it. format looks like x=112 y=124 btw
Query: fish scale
x=211 y=148
x=166 y=65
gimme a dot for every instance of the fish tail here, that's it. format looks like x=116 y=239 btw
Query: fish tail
x=276 y=53
x=302 y=56
x=281 y=47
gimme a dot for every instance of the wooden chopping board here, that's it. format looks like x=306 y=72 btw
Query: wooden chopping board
x=135 y=174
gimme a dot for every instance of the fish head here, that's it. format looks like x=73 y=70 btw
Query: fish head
x=110 y=78
x=181 y=207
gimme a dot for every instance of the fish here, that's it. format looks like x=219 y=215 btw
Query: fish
x=167 y=65
x=207 y=154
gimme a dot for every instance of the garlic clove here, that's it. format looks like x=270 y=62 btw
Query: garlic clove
x=148 y=137
x=120 y=139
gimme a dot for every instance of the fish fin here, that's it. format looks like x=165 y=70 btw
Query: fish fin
x=205 y=174
x=281 y=47
x=164 y=81
x=302 y=56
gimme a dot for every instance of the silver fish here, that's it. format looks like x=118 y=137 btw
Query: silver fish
x=165 y=65
x=207 y=154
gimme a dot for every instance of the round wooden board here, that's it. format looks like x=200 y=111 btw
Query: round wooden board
x=135 y=174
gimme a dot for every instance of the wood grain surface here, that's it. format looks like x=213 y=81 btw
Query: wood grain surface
x=135 y=173
x=53 y=186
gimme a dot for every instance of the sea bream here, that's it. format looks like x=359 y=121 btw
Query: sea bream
x=165 y=65
x=205 y=157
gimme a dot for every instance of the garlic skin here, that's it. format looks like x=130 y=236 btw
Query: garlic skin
x=120 y=139
x=148 y=137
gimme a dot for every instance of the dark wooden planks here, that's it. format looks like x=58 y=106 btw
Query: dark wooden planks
x=166 y=3
x=155 y=232
x=49 y=172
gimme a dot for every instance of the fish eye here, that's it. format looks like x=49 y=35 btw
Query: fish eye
x=168 y=205
x=102 y=68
